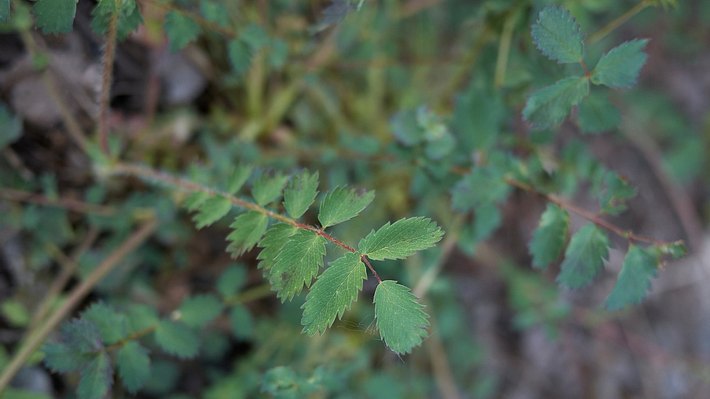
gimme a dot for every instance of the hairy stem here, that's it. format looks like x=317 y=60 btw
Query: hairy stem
x=36 y=337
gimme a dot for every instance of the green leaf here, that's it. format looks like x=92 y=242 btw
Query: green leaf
x=133 y=365
x=549 y=106
x=232 y=280
x=406 y=128
x=82 y=336
x=198 y=310
x=483 y=186
x=297 y=263
x=15 y=313
x=239 y=56
x=616 y=191
x=333 y=292
x=239 y=176
x=10 y=127
x=4 y=10
x=129 y=17
x=141 y=317
x=549 y=238
x=241 y=322
x=211 y=210
x=620 y=67
x=177 y=339
x=584 y=258
x=248 y=229
x=267 y=189
x=112 y=326
x=400 y=318
x=597 y=114
x=341 y=204
x=639 y=268
x=274 y=239
x=96 y=377
x=215 y=12
x=477 y=118
x=195 y=200
x=300 y=193
x=54 y=16
x=180 y=29
x=558 y=36
x=487 y=219
x=400 y=239
x=61 y=358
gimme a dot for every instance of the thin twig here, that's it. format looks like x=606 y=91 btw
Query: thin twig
x=35 y=339
x=106 y=80
x=617 y=22
x=66 y=203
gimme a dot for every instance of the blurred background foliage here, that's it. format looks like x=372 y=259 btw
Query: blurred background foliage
x=394 y=96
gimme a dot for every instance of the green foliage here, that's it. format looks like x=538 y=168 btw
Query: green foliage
x=127 y=12
x=300 y=193
x=177 y=338
x=557 y=35
x=211 y=210
x=334 y=291
x=10 y=127
x=400 y=239
x=342 y=204
x=268 y=188
x=180 y=29
x=239 y=56
x=401 y=319
x=620 y=67
x=133 y=365
x=231 y=281
x=112 y=325
x=96 y=377
x=248 y=228
x=614 y=193
x=549 y=238
x=272 y=243
x=54 y=16
x=550 y=105
x=239 y=176
x=198 y=310
x=584 y=258
x=597 y=114
x=639 y=268
x=4 y=10
x=296 y=264
x=15 y=313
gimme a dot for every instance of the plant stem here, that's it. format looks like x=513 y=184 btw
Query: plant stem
x=106 y=80
x=592 y=217
x=613 y=25
x=36 y=337
x=66 y=203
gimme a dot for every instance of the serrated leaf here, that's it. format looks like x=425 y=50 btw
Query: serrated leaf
x=480 y=187
x=558 y=36
x=549 y=106
x=400 y=239
x=620 y=67
x=639 y=268
x=297 y=263
x=274 y=239
x=232 y=280
x=616 y=191
x=333 y=293
x=82 y=336
x=215 y=12
x=597 y=114
x=180 y=29
x=400 y=317
x=211 y=210
x=177 y=339
x=248 y=228
x=267 y=189
x=300 y=193
x=54 y=16
x=61 y=358
x=195 y=200
x=96 y=377
x=133 y=365
x=549 y=238
x=584 y=258
x=141 y=317
x=241 y=322
x=239 y=56
x=239 y=176
x=343 y=203
x=112 y=326
x=129 y=17
x=198 y=310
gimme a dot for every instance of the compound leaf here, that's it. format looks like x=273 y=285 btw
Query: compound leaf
x=248 y=229
x=549 y=106
x=177 y=339
x=133 y=365
x=54 y=16
x=620 y=67
x=297 y=263
x=639 y=268
x=180 y=29
x=112 y=325
x=401 y=238
x=267 y=189
x=211 y=210
x=341 y=204
x=549 y=237
x=597 y=114
x=401 y=320
x=558 y=36
x=96 y=377
x=300 y=193
x=332 y=293
x=584 y=258
x=198 y=310
x=274 y=239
